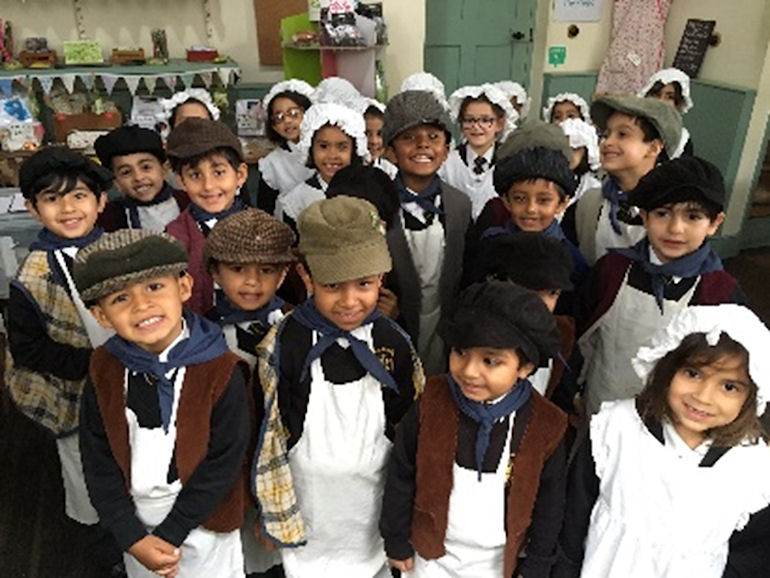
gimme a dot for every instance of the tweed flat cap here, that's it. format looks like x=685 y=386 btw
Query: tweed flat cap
x=60 y=160
x=249 y=236
x=664 y=117
x=501 y=315
x=679 y=180
x=196 y=136
x=128 y=140
x=343 y=239
x=413 y=108
x=127 y=256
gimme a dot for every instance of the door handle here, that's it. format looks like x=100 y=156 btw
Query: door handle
x=518 y=35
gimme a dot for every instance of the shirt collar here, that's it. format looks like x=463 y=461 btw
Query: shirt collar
x=675 y=443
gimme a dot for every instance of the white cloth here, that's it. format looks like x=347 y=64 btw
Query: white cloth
x=540 y=378
x=77 y=503
x=283 y=169
x=385 y=166
x=583 y=134
x=427 y=82
x=328 y=113
x=514 y=89
x=249 y=357
x=682 y=143
x=659 y=515
x=614 y=339
x=607 y=238
x=338 y=470
x=156 y=217
x=475 y=535
x=298 y=199
x=479 y=188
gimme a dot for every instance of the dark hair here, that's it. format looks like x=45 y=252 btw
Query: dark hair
x=355 y=160
x=63 y=183
x=496 y=108
x=375 y=112
x=231 y=155
x=191 y=100
x=709 y=208
x=577 y=107
x=694 y=351
x=583 y=167
x=657 y=88
x=297 y=98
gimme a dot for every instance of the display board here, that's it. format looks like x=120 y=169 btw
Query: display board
x=269 y=14
x=693 y=45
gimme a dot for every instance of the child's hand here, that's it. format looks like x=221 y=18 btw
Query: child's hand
x=157 y=555
x=388 y=303
x=403 y=565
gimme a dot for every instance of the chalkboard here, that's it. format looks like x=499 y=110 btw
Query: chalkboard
x=693 y=45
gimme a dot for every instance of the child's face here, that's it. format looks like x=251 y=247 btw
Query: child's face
x=348 y=303
x=668 y=94
x=577 y=158
x=190 y=109
x=374 y=140
x=678 y=229
x=286 y=117
x=148 y=313
x=140 y=176
x=249 y=286
x=332 y=150
x=623 y=148
x=517 y=105
x=550 y=297
x=564 y=110
x=68 y=215
x=480 y=125
x=421 y=150
x=534 y=204
x=484 y=373
x=213 y=184
x=703 y=398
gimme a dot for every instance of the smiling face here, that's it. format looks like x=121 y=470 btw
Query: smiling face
x=147 y=313
x=140 y=176
x=213 y=183
x=703 y=398
x=286 y=117
x=564 y=110
x=624 y=153
x=534 y=204
x=249 y=286
x=480 y=125
x=420 y=151
x=348 y=303
x=485 y=374
x=332 y=150
x=374 y=141
x=678 y=229
x=69 y=215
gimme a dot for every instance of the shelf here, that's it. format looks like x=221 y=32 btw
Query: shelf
x=332 y=48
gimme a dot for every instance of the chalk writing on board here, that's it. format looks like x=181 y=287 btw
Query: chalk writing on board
x=692 y=47
x=577 y=10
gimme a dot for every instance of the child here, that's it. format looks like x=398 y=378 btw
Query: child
x=634 y=133
x=486 y=118
x=374 y=119
x=50 y=332
x=337 y=377
x=283 y=168
x=566 y=105
x=190 y=103
x=668 y=477
x=634 y=292
x=455 y=503
x=165 y=419
x=137 y=158
x=517 y=96
x=428 y=238
x=332 y=137
x=584 y=143
x=672 y=86
x=208 y=161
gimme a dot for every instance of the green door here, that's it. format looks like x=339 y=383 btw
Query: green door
x=475 y=41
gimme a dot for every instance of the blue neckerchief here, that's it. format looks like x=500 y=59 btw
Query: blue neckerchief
x=227 y=314
x=132 y=205
x=611 y=191
x=308 y=315
x=48 y=241
x=699 y=262
x=202 y=216
x=426 y=199
x=486 y=414
x=206 y=341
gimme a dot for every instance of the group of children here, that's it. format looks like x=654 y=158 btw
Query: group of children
x=246 y=392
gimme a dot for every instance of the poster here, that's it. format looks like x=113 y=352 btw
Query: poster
x=577 y=10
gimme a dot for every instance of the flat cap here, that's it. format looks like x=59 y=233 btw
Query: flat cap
x=127 y=140
x=679 y=180
x=60 y=160
x=196 y=136
x=413 y=108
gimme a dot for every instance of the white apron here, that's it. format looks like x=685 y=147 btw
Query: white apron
x=77 y=503
x=607 y=238
x=283 y=170
x=205 y=554
x=541 y=377
x=427 y=248
x=338 y=470
x=479 y=188
x=156 y=217
x=475 y=535
x=298 y=199
x=610 y=344
x=659 y=515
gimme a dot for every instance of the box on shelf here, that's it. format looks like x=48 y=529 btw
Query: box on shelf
x=201 y=54
x=128 y=56
x=44 y=59
x=63 y=124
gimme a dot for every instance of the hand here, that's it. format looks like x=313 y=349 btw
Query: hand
x=403 y=565
x=388 y=303
x=157 y=555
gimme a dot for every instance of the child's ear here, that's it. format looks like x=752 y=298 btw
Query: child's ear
x=32 y=208
x=715 y=224
x=643 y=215
x=655 y=147
x=282 y=278
x=100 y=317
x=185 y=282
x=242 y=172
x=526 y=370
x=307 y=281
x=102 y=202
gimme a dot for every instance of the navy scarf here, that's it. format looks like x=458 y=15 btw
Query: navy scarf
x=425 y=199
x=486 y=414
x=611 y=191
x=48 y=241
x=133 y=205
x=308 y=315
x=202 y=216
x=699 y=262
x=227 y=314
x=205 y=343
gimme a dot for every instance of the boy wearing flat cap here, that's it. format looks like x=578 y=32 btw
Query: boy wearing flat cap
x=634 y=292
x=51 y=334
x=165 y=420
x=428 y=239
x=136 y=157
x=207 y=158
x=478 y=467
x=636 y=134
x=336 y=377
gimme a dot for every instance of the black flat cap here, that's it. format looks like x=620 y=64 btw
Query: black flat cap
x=128 y=140
x=60 y=160
x=679 y=180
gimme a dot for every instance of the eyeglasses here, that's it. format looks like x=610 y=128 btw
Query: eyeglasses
x=292 y=113
x=483 y=121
